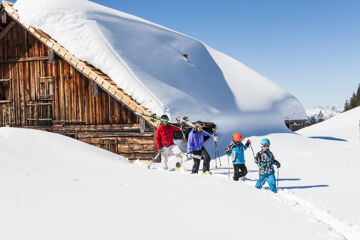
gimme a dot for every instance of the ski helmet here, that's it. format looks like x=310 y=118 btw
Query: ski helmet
x=164 y=118
x=237 y=137
x=265 y=141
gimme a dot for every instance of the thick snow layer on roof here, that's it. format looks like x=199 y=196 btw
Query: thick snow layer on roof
x=147 y=61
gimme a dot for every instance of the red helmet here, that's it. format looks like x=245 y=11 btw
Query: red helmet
x=237 y=137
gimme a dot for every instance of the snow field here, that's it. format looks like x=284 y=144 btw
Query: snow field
x=82 y=192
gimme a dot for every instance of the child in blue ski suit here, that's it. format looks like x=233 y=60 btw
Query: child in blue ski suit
x=265 y=160
x=236 y=153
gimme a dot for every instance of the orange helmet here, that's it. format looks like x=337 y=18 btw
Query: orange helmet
x=237 y=137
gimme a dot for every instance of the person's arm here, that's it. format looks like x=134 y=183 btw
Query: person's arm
x=206 y=133
x=258 y=158
x=275 y=162
x=190 y=142
x=158 y=139
x=174 y=128
x=233 y=156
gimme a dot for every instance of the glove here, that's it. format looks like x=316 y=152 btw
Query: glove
x=227 y=150
x=278 y=165
x=216 y=138
x=248 y=142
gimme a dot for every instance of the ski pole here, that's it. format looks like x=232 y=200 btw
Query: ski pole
x=216 y=150
x=277 y=178
x=252 y=150
x=255 y=161
x=228 y=166
x=154 y=159
x=157 y=155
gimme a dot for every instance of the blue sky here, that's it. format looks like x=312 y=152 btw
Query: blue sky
x=311 y=48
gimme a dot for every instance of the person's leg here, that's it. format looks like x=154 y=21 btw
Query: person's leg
x=243 y=170
x=207 y=159
x=196 y=165
x=164 y=158
x=175 y=150
x=236 y=172
x=272 y=182
x=260 y=183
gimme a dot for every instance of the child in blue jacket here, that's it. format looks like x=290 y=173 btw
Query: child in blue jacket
x=236 y=153
x=265 y=160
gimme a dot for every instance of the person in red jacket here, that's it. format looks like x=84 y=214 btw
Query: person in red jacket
x=164 y=137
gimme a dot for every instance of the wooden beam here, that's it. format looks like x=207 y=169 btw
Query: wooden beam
x=28 y=59
x=7 y=29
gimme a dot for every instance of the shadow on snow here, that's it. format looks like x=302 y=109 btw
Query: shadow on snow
x=329 y=138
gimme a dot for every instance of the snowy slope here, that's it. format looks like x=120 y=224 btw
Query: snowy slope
x=328 y=111
x=59 y=188
x=345 y=126
x=147 y=61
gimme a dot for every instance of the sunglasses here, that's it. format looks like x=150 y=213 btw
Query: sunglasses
x=266 y=146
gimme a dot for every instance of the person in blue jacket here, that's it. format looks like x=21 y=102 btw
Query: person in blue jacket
x=197 y=149
x=236 y=153
x=265 y=160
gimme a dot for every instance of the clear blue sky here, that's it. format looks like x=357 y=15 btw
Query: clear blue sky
x=311 y=48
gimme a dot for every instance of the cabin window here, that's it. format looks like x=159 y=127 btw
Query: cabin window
x=109 y=144
x=39 y=113
x=5 y=90
x=46 y=88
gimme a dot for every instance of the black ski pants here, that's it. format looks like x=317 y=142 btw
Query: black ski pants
x=204 y=155
x=240 y=171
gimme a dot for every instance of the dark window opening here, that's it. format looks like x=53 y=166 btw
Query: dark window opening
x=5 y=90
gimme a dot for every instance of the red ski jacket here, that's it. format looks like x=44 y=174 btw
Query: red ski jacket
x=165 y=135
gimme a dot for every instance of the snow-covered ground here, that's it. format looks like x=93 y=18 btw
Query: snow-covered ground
x=59 y=188
x=327 y=111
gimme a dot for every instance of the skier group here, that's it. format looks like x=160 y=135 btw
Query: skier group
x=265 y=160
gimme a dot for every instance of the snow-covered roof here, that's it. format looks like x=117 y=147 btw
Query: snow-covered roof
x=147 y=61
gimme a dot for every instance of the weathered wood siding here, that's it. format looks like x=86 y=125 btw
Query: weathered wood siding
x=40 y=90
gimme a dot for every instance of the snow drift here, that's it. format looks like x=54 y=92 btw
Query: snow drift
x=147 y=61
x=60 y=188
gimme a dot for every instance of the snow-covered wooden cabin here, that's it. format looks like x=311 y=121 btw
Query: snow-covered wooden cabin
x=43 y=86
x=140 y=67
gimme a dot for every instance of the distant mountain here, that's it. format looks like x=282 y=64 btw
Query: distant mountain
x=327 y=111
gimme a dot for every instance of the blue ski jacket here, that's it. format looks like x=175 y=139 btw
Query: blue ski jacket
x=238 y=151
x=195 y=140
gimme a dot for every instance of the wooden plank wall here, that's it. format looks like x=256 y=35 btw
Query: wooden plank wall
x=53 y=93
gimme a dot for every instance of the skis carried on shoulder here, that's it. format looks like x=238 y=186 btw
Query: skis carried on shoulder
x=154 y=118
